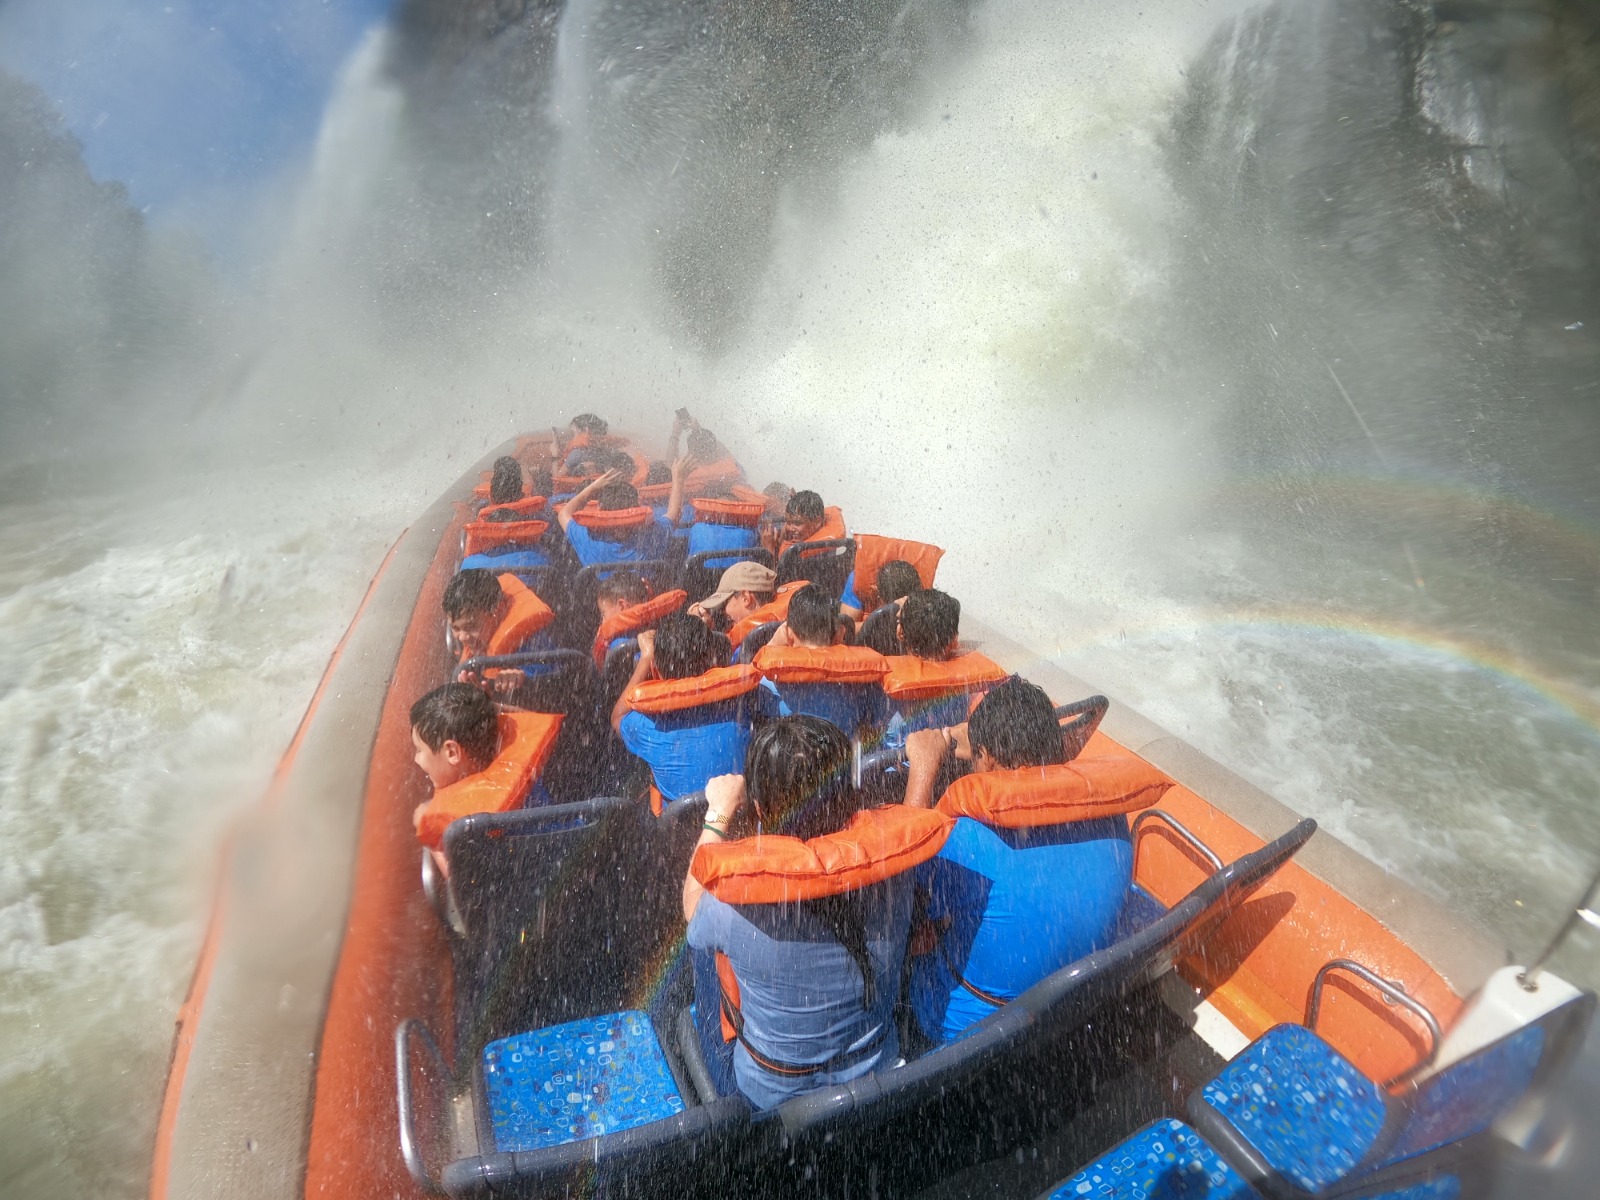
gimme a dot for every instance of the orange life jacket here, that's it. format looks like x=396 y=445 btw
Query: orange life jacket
x=878 y=844
x=634 y=618
x=1080 y=790
x=747 y=513
x=615 y=520
x=481 y=488
x=832 y=528
x=677 y=695
x=525 y=506
x=724 y=470
x=873 y=551
x=527 y=616
x=526 y=739
x=913 y=678
x=482 y=537
x=776 y=609
x=832 y=664
x=654 y=493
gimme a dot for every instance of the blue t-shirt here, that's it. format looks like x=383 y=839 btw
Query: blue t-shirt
x=648 y=542
x=510 y=560
x=848 y=598
x=800 y=991
x=1021 y=903
x=850 y=706
x=706 y=535
x=684 y=749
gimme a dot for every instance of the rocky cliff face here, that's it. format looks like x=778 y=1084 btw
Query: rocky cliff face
x=1405 y=197
x=694 y=118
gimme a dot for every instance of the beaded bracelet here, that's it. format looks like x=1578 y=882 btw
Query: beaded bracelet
x=708 y=827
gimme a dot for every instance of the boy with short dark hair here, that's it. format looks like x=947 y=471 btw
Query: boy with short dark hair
x=494 y=614
x=896 y=580
x=457 y=734
x=930 y=624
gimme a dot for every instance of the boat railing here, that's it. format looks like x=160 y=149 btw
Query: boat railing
x=406 y=1032
x=1178 y=827
x=1392 y=991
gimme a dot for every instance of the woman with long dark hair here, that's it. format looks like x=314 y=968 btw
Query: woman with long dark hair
x=806 y=898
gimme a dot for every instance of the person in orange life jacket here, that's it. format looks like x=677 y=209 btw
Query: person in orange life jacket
x=684 y=749
x=505 y=483
x=614 y=493
x=619 y=590
x=1008 y=906
x=928 y=627
x=585 y=429
x=817 y=978
x=803 y=515
x=455 y=732
x=814 y=622
x=539 y=484
x=743 y=588
x=475 y=605
x=897 y=579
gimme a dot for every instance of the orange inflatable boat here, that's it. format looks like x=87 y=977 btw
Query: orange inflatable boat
x=1273 y=1016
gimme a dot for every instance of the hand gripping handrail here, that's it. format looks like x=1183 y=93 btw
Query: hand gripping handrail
x=1179 y=828
x=409 y=1149
x=1392 y=991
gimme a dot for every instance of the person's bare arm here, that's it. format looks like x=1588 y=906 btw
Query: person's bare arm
x=724 y=798
x=673 y=439
x=680 y=468
x=642 y=670
x=564 y=513
x=926 y=750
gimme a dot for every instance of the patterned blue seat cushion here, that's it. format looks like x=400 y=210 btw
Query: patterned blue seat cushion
x=578 y=1080
x=1166 y=1160
x=1301 y=1105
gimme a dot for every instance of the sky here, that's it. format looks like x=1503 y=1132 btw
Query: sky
x=194 y=105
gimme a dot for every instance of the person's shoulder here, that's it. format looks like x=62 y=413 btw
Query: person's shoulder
x=972 y=843
x=637 y=725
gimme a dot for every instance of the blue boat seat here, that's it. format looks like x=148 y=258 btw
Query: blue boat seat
x=575 y=1081
x=1166 y=1160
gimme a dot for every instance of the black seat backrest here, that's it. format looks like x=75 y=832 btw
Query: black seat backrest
x=587 y=759
x=827 y=563
x=754 y=641
x=985 y=1062
x=702 y=571
x=578 y=620
x=1078 y=722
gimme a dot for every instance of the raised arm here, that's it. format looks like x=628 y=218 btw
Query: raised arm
x=680 y=468
x=724 y=798
x=642 y=670
x=564 y=513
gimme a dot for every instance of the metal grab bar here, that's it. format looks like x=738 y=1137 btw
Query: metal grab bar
x=409 y=1150
x=1392 y=991
x=1179 y=828
x=437 y=889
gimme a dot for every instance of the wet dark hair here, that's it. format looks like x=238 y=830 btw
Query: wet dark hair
x=805 y=505
x=628 y=587
x=929 y=622
x=505 y=485
x=797 y=771
x=777 y=490
x=474 y=590
x=541 y=482
x=590 y=424
x=897 y=578
x=1016 y=724
x=686 y=648
x=461 y=713
x=813 y=615
x=659 y=472
x=702 y=444
x=620 y=494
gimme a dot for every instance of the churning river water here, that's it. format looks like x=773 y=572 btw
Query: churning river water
x=1214 y=462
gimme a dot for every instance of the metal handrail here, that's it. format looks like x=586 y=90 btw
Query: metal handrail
x=409 y=1150
x=1179 y=828
x=437 y=889
x=1394 y=992
x=1580 y=914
